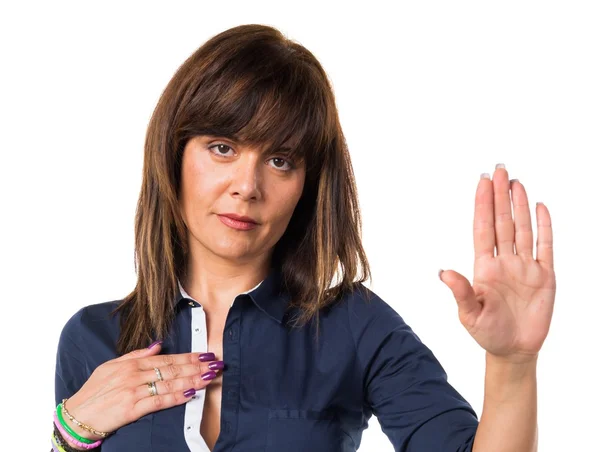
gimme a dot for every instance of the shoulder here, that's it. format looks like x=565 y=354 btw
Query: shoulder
x=89 y=318
x=365 y=308
x=90 y=324
x=377 y=329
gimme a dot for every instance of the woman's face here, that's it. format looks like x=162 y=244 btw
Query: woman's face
x=220 y=178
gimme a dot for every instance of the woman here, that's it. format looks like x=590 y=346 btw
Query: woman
x=250 y=270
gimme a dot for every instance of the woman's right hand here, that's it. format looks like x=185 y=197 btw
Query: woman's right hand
x=117 y=392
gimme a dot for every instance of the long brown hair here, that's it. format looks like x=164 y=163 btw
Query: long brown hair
x=255 y=85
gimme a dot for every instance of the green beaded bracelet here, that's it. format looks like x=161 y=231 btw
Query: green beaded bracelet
x=69 y=430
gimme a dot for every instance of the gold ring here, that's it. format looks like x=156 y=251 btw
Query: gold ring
x=158 y=374
x=152 y=388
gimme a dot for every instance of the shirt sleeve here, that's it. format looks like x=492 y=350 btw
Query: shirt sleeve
x=71 y=371
x=405 y=385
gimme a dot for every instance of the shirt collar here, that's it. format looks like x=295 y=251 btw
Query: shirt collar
x=269 y=296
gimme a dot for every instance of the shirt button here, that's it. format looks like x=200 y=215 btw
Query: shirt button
x=189 y=427
x=232 y=334
x=196 y=330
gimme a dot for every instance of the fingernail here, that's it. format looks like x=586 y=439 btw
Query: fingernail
x=190 y=392
x=514 y=180
x=485 y=176
x=206 y=357
x=499 y=165
x=209 y=375
x=440 y=275
x=154 y=343
x=216 y=365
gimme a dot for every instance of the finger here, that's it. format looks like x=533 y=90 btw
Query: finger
x=483 y=222
x=159 y=402
x=503 y=220
x=153 y=349
x=150 y=362
x=523 y=230
x=196 y=381
x=175 y=371
x=149 y=404
x=545 y=241
x=469 y=307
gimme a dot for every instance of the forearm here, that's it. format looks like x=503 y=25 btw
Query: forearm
x=509 y=418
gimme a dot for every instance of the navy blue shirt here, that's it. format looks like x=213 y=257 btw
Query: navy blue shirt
x=282 y=389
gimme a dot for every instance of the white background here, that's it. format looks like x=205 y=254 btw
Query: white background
x=430 y=95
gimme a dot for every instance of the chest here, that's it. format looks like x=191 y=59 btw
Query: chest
x=278 y=391
x=211 y=411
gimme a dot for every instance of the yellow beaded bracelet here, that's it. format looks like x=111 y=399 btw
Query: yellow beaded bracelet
x=55 y=444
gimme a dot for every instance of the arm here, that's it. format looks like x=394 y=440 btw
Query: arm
x=405 y=386
x=508 y=308
x=108 y=392
x=71 y=371
x=509 y=417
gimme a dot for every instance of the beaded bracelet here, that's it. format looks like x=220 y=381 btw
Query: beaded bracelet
x=55 y=446
x=80 y=424
x=69 y=430
x=68 y=437
x=62 y=442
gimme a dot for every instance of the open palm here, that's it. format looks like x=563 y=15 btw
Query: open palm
x=509 y=306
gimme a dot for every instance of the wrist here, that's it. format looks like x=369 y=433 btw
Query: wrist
x=62 y=438
x=73 y=411
x=514 y=360
x=80 y=431
x=73 y=435
x=509 y=379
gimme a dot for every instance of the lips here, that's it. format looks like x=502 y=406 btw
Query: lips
x=236 y=217
x=238 y=222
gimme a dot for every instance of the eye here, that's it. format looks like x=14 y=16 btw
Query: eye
x=220 y=149
x=279 y=163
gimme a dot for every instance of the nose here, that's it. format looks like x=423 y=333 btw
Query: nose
x=246 y=178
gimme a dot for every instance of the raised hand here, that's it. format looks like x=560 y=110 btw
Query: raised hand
x=117 y=392
x=509 y=306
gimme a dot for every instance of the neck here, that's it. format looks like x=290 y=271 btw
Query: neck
x=215 y=282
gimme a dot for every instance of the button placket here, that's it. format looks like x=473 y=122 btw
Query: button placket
x=231 y=377
x=194 y=407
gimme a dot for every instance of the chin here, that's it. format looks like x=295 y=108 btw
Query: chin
x=232 y=252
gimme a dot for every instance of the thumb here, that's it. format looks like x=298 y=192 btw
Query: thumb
x=468 y=306
x=153 y=349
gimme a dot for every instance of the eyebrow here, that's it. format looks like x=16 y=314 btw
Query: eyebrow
x=235 y=139
x=223 y=137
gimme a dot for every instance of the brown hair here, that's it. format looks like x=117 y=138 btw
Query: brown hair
x=252 y=84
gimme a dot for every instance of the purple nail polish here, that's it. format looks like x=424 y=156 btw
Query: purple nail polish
x=154 y=343
x=190 y=392
x=209 y=375
x=206 y=357
x=216 y=365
